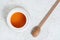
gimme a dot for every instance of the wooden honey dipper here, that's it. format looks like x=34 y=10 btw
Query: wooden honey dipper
x=36 y=30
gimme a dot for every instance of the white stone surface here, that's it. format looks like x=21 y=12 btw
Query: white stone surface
x=37 y=9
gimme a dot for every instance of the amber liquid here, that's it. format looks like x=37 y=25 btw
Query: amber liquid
x=18 y=20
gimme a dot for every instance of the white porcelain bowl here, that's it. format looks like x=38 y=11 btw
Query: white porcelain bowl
x=22 y=10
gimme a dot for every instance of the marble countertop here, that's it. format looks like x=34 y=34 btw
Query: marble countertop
x=37 y=10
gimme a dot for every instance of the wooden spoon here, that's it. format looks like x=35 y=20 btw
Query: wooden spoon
x=36 y=30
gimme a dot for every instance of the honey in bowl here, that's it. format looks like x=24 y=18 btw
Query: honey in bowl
x=18 y=20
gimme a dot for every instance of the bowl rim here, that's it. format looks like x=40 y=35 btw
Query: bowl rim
x=18 y=10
